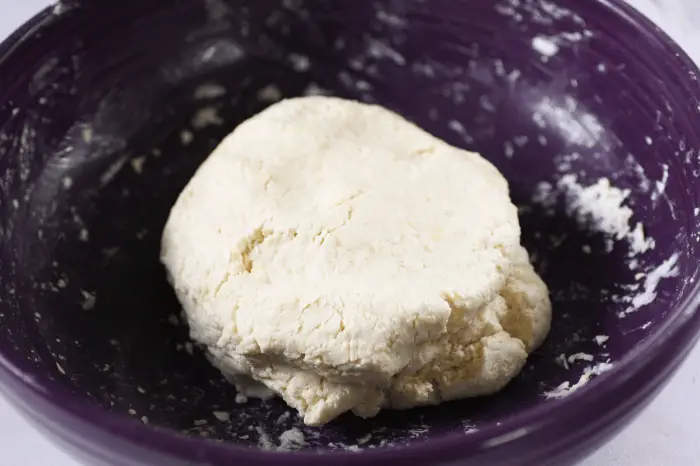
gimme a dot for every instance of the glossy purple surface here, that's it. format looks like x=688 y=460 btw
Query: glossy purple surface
x=99 y=133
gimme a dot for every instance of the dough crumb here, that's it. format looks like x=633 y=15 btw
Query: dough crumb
x=222 y=416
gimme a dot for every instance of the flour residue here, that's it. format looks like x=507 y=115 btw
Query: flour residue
x=209 y=91
x=270 y=93
x=89 y=300
x=391 y=19
x=600 y=204
x=667 y=269
x=186 y=137
x=206 y=116
x=299 y=438
x=137 y=164
x=112 y=171
x=300 y=63
x=544 y=12
x=292 y=439
x=222 y=416
x=567 y=388
x=601 y=207
x=579 y=126
x=314 y=89
x=289 y=440
x=545 y=46
x=381 y=50
x=660 y=187
x=601 y=339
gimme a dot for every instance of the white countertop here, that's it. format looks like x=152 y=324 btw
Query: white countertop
x=668 y=432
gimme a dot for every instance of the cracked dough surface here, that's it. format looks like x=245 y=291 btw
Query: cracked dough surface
x=349 y=261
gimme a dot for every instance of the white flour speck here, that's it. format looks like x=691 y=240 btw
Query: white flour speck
x=379 y=49
x=601 y=339
x=545 y=45
x=87 y=134
x=562 y=361
x=520 y=141
x=315 y=89
x=544 y=195
x=300 y=63
x=580 y=128
x=667 y=269
x=571 y=36
x=602 y=207
x=539 y=120
x=289 y=440
x=600 y=204
x=89 y=300
x=390 y=19
x=270 y=93
x=513 y=76
x=137 y=164
x=209 y=91
x=661 y=184
x=206 y=116
x=638 y=241
x=566 y=388
x=457 y=127
x=186 y=137
x=284 y=417
x=508 y=149
x=112 y=171
x=580 y=357
x=292 y=439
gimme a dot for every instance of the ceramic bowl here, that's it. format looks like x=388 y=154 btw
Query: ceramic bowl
x=107 y=108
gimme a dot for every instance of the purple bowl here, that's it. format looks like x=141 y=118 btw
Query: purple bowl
x=97 y=104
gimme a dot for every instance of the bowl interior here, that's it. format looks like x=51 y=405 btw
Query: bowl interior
x=99 y=133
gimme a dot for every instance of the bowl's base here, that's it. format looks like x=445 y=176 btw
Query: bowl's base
x=120 y=323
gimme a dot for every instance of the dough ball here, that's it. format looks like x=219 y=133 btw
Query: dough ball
x=349 y=261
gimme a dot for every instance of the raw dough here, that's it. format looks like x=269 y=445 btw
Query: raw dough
x=348 y=260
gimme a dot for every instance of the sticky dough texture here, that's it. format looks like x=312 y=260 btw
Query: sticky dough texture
x=350 y=261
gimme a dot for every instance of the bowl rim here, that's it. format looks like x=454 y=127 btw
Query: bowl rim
x=673 y=341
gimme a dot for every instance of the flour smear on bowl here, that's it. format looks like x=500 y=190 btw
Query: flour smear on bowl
x=600 y=208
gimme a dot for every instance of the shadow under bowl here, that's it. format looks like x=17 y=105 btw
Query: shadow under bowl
x=107 y=108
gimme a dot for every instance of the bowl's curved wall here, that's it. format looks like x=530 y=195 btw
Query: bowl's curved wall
x=106 y=110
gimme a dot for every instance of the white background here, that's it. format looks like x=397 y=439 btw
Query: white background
x=667 y=433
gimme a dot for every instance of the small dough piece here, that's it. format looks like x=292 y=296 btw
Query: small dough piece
x=350 y=261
